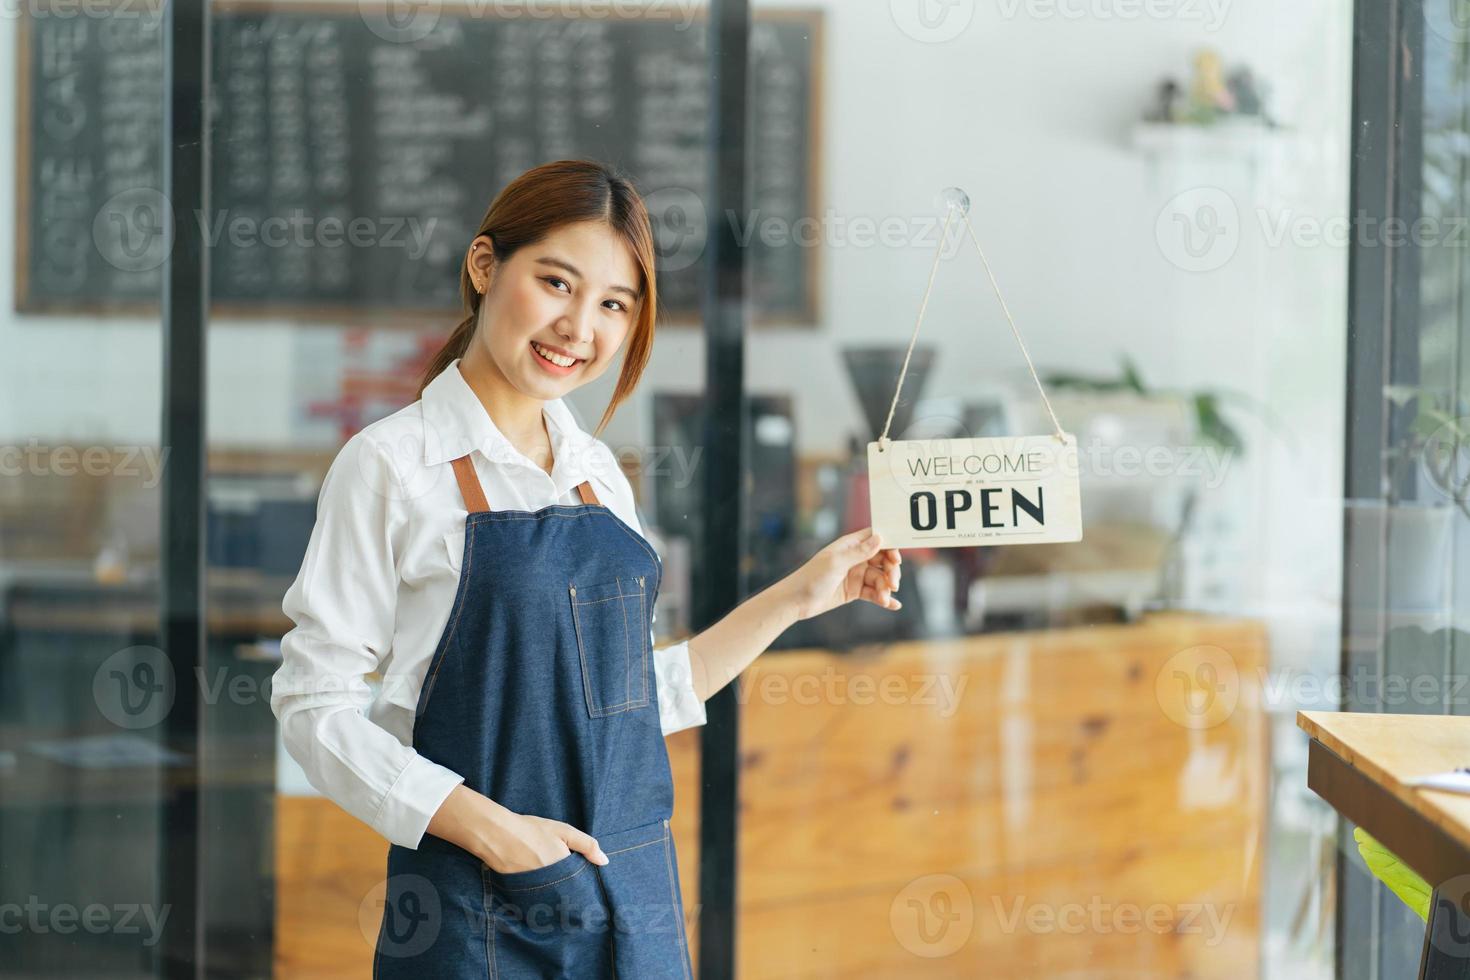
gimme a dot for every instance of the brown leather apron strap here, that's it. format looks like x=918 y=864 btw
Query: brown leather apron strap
x=474 y=494
x=469 y=485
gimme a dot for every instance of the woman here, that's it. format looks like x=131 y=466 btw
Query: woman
x=483 y=553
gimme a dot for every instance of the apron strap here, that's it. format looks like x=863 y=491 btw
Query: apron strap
x=474 y=494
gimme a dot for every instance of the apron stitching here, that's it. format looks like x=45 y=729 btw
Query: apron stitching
x=674 y=898
x=607 y=709
x=469 y=561
x=489 y=927
x=612 y=935
x=634 y=847
x=623 y=608
x=600 y=509
x=582 y=659
x=642 y=644
x=531 y=888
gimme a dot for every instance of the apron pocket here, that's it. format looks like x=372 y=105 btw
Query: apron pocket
x=612 y=643
x=548 y=921
x=642 y=882
x=550 y=874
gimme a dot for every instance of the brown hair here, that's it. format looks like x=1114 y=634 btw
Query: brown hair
x=531 y=207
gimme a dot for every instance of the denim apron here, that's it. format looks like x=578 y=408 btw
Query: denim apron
x=541 y=693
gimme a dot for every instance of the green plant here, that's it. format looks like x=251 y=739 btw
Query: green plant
x=1213 y=428
x=1439 y=436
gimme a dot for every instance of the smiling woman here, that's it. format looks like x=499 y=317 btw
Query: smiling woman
x=483 y=554
x=589 y=274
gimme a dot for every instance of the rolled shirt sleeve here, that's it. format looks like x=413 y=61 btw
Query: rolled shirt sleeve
x=343 y=604
x=679 y=707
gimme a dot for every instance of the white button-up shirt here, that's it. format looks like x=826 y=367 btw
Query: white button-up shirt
x=379 y=577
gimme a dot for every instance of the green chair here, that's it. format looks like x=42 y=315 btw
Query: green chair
x=1413 y=890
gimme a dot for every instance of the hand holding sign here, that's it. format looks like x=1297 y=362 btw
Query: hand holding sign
x=855 y=566
x=956 y=493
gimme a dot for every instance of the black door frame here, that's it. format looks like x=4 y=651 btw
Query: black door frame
x=1386 y=166
x=719 y=576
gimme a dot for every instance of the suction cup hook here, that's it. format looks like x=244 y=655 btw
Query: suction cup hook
x=953 y=197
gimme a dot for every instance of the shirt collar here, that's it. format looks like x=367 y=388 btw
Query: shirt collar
x=455 y=423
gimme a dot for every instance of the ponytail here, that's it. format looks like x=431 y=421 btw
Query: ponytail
x=456 y=346
x=525 y=211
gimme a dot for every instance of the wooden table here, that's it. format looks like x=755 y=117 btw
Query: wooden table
x=1360 y=763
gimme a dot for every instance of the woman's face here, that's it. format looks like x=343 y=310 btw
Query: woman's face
x=574 y=294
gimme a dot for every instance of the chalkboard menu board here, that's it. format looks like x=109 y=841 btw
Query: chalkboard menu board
x=354 y=155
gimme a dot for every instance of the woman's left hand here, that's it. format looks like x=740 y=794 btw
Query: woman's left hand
x=855 y=566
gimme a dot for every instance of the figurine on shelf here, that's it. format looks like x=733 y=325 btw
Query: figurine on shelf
x=1209 y=96
x=1247 y=92
x=1213 y=96
x=1167 y=99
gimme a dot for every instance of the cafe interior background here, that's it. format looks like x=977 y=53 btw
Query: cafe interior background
x=1085 y=762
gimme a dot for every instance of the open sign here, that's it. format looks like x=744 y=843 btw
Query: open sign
x=961 y=493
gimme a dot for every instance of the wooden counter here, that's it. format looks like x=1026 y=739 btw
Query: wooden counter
x=1077 y=782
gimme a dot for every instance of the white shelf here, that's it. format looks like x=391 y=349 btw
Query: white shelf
x=1232 y=138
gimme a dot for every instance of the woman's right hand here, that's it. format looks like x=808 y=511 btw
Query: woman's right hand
x=505 y=840
x=526 y=842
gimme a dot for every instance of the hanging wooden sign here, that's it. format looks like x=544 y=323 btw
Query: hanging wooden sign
x=963 y=493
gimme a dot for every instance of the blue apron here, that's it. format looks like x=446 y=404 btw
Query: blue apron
x=541 y=693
